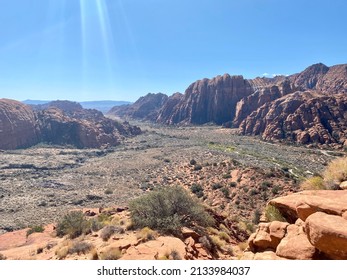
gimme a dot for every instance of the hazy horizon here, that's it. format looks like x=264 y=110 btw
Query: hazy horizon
x=120 y=50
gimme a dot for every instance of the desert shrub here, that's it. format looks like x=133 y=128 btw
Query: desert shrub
x=275 y=190
x=146 y=234
x=225 y=192
x=2 y=257
x=35 y=229
x=226 y=176
x=107 y=232
x=256 y=216
x=197 y=167
x=197 y=190
x=233 y=184
x=110 y=254
x=313 y=183
x=217 y=186
x=253 y=192
x=264 y=185
x=217 y=241
x=167 y=210
x=73 y=224
x=224 y=236
x=206 y=242
x=175 y=255
x=192 y=162
x=80 y=247
x=273 y=214
x=336 y=171
x=108 y=191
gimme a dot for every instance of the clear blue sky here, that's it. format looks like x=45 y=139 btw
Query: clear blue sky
x=122 y=49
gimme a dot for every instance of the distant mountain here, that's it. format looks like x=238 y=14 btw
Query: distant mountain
x=146 y=107
x=307 y=107
x=101 y=105
x=60 y=123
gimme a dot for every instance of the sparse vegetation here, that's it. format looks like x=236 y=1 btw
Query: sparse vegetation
x=256 y=216
x=197 y=167
x=73 y=224
x=80 y=247
x=313 y=183
x=110 y=254
x=108 y=231
x=197 y=189
x=167 y=210
x=146 y=234
x=33 y=229
x=273 y=214
x=336 y=171
x=174 y=254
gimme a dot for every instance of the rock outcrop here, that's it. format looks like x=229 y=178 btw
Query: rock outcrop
x=18 y=125
x=146 y=107
x=307 y=107
x=300 y=117
x=318 y=228
x=210 y=100
x=21 y=126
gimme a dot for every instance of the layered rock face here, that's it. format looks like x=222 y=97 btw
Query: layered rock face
x=18 y=125
x=146 y=107
x=210 y=100
x=317 y=228
x=83 y=128
x=301 y=117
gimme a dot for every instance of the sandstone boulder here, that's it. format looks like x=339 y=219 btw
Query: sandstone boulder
x=295 y=245
x=267 y=235
x=328 y=233
x=303 y=204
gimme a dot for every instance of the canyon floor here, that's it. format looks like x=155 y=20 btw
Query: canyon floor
x=40 y=184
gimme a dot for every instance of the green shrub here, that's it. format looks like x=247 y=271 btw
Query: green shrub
x=80 y=247
x=256 y=216
x=108 y=231
x=73 y=224
x=225 y=192
x=233 y=184
x=197 y=190
x=35 y=229
x=217 y=186
x=167 y=210
x=336 y=171
x=273 y=214
x=313 y=183
x=110 y=254
x=197 y=167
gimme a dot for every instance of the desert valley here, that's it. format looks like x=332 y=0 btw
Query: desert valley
x=264 y=159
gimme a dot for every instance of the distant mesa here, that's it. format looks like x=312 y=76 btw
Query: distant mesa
x=58 y=122
x=304 y=108
x=146 y=107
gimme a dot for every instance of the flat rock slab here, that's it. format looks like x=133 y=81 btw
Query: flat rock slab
x=303 y=204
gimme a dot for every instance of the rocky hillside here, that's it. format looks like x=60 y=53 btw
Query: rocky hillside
x=62 y=123
x=146 y=107
x=314 y=102
x=18 y=125
x=301 y=117
x=316 y=228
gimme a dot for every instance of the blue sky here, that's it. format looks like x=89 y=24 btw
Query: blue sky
x=122 y=49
